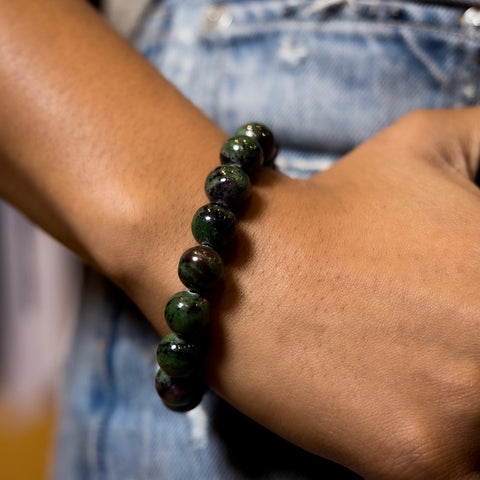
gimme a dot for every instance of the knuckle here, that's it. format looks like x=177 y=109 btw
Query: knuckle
x=416 y=453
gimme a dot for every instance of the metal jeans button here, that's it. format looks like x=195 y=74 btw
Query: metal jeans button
x=217 y=17
x=471 y=17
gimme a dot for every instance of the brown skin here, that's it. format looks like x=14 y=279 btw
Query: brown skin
x=350 y=315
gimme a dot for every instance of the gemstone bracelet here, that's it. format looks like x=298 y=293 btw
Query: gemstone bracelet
x=181 y=354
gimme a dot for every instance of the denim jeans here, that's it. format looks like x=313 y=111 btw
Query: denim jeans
x=325 y=75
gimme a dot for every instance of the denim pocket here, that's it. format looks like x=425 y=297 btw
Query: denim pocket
x=328 y=74
x=325 y=74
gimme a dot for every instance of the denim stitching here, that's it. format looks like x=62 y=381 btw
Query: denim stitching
x=111 y=400
x=423 y=57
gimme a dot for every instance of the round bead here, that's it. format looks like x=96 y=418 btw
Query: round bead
x=177 y=356
x=200 y=267
x=213 y=225
x=179 y=394
x=187 y=313
x=242 y=151
x=228 y=185
x=264 y=136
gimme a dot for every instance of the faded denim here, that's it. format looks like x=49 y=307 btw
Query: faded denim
x=325 y=75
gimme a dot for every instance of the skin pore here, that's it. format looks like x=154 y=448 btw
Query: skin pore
x=351 y=306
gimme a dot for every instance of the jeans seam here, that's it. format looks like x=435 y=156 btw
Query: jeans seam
x=111 y=400
x=335 y=27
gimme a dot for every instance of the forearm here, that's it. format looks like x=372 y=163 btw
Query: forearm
x=349 y=316
x=86 y=124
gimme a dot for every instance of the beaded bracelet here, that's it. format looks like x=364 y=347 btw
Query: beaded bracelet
x=180 y=354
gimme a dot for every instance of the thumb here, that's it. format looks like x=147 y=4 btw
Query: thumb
x=455 y=134
x=445 y=138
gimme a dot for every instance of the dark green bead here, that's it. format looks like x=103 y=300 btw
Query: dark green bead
x=242 y=151
x=177 y=356
x=228 y=185
x=187 y=313
x=264 y=136
x=179 y=394
x=200 y=267
x=213 y=225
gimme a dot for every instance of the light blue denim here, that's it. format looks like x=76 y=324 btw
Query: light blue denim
x=325 y=75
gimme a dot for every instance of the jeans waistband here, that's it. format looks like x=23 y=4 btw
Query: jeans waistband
x=231 y=18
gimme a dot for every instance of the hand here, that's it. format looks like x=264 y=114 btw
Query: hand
x=350 y=317
x=349 y=321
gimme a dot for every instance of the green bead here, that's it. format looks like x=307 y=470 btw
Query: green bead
x=242 y=151
x=264 y=136
x=187 y=313
x=213 y=225
x=177 y=356
x=179 y=394
x=228 y=185
x=200 y=267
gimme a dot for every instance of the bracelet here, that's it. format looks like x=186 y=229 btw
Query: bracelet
x=180 y=354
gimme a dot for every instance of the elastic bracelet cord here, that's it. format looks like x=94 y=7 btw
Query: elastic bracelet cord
x=181 y=354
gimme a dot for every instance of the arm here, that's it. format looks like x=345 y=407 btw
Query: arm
x=353 y=312
x=85 y=120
